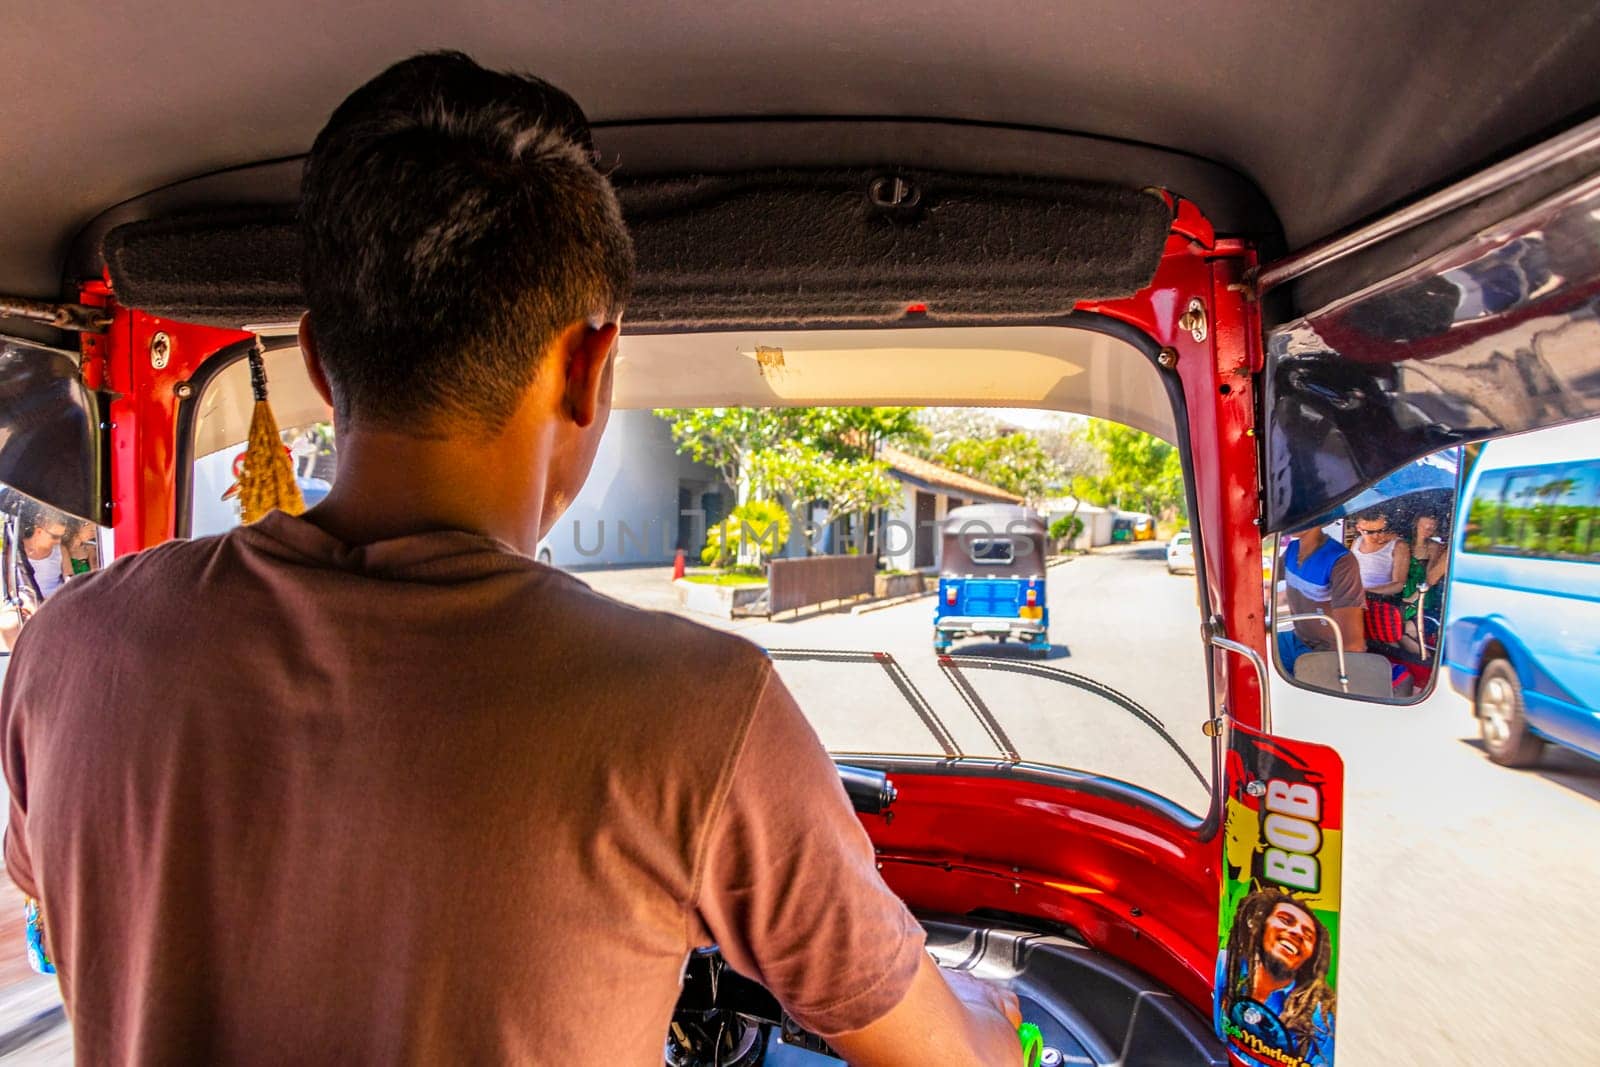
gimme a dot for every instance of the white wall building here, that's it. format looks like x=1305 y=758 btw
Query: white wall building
x=642 y=500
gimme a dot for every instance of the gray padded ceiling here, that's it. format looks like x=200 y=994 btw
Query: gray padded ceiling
x=1334 y=110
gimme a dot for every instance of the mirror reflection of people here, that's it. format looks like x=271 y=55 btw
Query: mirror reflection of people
x=383 y=787
x=1274 y=976
x=82 y=553
x=40 y=560
x=40 y=531
x=1382 y=555
x=1430 y=555
x=1321 y=576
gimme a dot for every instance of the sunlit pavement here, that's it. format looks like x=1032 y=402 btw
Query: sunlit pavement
x=1471 y=926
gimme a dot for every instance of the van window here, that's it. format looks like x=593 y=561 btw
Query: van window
x=1486 y=516
x=1549 y=512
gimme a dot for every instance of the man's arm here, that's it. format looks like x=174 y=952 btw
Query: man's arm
x=947 y=1017
x=1438 y=565
x=1348 y=602
x=1352 y=625
x=790 y=891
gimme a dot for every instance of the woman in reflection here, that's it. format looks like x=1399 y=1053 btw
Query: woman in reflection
x=1430 y=556
x=82 y=553
x=1424 y=589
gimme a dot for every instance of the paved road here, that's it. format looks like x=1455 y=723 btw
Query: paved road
x=1118 y=618
x=1472 y=892
x=1471 y=895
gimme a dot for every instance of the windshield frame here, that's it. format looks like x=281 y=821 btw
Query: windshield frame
x=1172 y=384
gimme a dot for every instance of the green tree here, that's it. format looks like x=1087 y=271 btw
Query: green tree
x=856 y=432
x=721 y=438
x=1066 y=528
x=1014 y=462
x=803 y=473
x=724 y=438
x=756 y=527
x=1141 y=471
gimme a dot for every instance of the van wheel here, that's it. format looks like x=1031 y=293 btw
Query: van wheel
x=1501 y=723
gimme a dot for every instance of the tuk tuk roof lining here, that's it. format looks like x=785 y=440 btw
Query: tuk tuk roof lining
x=1307 y=110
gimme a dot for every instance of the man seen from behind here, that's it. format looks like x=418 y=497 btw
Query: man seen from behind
x=370 y=785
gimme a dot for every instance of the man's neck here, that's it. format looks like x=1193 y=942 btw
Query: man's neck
x=392 y=484
x=1310 y=541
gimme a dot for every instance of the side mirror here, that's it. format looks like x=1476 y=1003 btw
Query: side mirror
x=49 y=430
x=1357 y=597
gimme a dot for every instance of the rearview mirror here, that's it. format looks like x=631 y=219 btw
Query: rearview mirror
x=1357 y=598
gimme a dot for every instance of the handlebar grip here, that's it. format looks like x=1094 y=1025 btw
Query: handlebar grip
x=870 y=791
x=1032 y=1044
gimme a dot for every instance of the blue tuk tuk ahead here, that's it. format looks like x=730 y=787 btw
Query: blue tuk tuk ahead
x=992 y=577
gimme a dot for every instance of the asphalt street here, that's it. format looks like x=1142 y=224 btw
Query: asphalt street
x=1470 y=893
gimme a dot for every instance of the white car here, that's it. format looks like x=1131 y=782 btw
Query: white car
x=1180 y=553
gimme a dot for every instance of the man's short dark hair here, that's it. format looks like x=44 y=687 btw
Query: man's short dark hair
x=454 y=224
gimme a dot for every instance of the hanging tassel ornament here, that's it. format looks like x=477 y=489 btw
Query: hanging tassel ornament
x=267 y=478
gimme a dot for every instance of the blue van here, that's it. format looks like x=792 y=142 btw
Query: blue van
x=1522 y=640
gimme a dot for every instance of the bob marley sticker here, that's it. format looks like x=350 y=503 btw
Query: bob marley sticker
x=1278 y=937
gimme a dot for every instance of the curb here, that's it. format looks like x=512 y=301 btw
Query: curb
x=890 y=602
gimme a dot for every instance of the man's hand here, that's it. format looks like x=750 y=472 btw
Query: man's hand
x=981 y=996
x=948 y=1017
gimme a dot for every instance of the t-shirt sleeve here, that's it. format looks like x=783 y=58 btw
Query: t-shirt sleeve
x=790 y=887
x=1344 y=584
x=19 y=864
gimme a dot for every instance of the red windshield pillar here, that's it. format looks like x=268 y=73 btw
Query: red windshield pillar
x=1199 y=311
x=143 y=362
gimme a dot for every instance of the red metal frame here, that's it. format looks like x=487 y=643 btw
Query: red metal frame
x=1136 y=884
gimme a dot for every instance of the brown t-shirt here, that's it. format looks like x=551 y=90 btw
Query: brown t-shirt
x=425 y=800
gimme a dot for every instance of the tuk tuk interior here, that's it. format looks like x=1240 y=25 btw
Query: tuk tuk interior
x=935 y=185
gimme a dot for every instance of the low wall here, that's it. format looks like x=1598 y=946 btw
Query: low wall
x=723 y=601
x=887 y=586
x=802 y=582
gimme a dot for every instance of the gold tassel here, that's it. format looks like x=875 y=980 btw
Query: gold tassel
x=266 y=480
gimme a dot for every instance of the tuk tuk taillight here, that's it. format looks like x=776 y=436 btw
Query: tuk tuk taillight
x=950 y=595
x=1033 y=598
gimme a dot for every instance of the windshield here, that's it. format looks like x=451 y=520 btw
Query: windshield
x=930 y=581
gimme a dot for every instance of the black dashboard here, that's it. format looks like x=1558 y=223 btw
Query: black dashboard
x=1090 y=1009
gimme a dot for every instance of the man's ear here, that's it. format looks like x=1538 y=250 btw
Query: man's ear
x=586 y=353
x=313 y=361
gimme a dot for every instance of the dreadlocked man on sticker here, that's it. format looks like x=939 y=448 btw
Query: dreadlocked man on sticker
x=1274 y=977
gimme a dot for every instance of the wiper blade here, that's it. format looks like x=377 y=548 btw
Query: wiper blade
x=952 y=667
x=913 y=696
